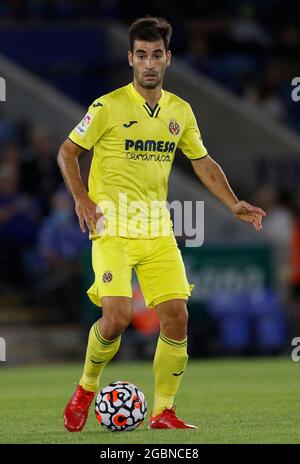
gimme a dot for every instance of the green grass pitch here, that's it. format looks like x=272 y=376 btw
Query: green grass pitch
x=230 y=400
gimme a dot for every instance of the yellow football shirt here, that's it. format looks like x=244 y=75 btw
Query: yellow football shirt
x=134 y=147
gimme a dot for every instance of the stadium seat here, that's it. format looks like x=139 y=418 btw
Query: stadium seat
x=270 y=321
x=74 y=59
x=231 y=313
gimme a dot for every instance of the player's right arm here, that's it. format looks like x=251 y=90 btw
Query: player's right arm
x=83 y=137
x=69 y=166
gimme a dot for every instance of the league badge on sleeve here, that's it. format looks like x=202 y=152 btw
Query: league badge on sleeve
x=84 y=124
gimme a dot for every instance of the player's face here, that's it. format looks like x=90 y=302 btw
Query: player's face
x=149 y=61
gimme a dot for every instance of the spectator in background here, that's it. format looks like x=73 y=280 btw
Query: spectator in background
x=7 y=131
x=18 y=225
x=288 y=43
x=266 y=93
x=294 y=277
x=10 y=155
x=60 y=240
x=278 y=223
x=60 y=243
x=277 y=229
x=39 y=171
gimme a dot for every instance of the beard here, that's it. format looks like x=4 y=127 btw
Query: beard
x=149 y=85
x=152 y=84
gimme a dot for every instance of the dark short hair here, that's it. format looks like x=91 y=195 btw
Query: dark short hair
x=150 y=29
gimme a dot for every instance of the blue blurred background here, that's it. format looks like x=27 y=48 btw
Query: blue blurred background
x=234 y=61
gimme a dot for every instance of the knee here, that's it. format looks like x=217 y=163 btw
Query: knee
x=181 y=317
x=115 y=320
x=117 y=323
x=120 y=321
x=175 y=320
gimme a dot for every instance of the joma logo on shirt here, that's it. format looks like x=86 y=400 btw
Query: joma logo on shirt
x=150 y=145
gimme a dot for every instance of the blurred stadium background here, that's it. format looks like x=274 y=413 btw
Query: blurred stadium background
x=234 y=61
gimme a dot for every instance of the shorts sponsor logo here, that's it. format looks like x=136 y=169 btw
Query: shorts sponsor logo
x=83 y=126
x=174 y=127
x=107 y=277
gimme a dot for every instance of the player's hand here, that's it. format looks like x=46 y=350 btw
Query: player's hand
x=249 y=213
x=86 y=211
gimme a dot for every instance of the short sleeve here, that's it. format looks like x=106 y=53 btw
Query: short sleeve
x=191 y=142
x=92 y=126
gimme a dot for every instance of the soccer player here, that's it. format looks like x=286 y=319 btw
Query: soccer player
x=135 y=131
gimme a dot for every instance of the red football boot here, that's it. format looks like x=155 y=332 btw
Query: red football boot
x=168 y=420
x=76 y=411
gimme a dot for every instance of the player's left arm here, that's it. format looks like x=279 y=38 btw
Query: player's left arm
x=213 y=177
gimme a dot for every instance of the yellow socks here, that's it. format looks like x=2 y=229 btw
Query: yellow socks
x=99 y=353
x=169 y=364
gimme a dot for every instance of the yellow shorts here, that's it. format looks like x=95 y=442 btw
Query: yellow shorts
x=158 y=264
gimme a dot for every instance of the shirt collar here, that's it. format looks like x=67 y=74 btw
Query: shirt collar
x=140 y=98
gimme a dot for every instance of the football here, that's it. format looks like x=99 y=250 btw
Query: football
x=120 y=406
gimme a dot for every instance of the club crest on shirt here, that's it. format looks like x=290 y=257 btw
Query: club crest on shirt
x=107 y=277
x=84 y=124
x=174 y=127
